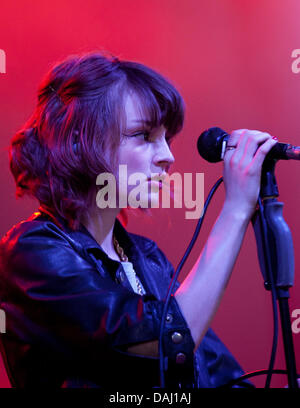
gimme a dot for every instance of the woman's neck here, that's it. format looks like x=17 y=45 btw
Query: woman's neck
x=100 y=224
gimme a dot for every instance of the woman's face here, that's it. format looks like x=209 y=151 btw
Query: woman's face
x=144 y=151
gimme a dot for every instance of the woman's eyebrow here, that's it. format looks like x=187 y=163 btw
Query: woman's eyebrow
x=144 y=121
x=138 y=125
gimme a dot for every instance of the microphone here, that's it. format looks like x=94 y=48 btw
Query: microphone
x=212 y=143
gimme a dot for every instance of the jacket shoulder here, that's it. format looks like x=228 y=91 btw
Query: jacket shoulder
x=31 y=228
x=35 y=240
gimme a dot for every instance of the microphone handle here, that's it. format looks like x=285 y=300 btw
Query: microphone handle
x=284 y=151
x=293 y=152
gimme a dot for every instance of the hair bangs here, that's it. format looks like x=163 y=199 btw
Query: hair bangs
x=160 y=102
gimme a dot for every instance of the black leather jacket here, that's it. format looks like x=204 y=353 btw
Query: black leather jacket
x=71 y=313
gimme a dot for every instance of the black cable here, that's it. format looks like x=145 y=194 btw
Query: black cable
x=270 y=370
x=271 y=282
x=174 y=279
x=253 y=374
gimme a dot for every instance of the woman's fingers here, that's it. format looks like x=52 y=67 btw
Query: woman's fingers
x=242 y=168
x=247 y=143
x=235 y=137
x=262 y=151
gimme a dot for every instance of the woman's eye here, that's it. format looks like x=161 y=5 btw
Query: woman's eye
x=143 y=135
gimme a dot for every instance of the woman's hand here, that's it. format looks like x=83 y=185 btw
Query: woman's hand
x=201 y=291
x=242 y=169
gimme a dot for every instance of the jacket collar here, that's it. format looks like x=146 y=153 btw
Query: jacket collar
x=81 y=235
x=135 y=247
x=85 y=238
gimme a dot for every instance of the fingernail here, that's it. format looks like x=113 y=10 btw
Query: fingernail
x=274 y=137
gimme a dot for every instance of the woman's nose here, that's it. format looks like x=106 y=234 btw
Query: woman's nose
x=163 y=154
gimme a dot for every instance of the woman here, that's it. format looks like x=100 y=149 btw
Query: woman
x=83 y=297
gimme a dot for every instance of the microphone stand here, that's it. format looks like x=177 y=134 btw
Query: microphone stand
x=276 y=257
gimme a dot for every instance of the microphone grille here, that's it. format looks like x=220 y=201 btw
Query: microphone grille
x=209 y=144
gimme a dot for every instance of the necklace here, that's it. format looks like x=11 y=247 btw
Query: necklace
x=120 y=250
x=124 y=258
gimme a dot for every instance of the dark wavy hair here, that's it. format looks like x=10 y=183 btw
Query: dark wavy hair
x=76 y=128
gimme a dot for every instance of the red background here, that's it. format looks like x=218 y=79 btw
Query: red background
x=231 y=60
